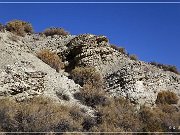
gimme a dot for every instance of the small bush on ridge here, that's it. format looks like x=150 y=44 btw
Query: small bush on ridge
x=119 y=49
x=55 y=31
x=133 y=57
x=19 y=27
x=170 y=68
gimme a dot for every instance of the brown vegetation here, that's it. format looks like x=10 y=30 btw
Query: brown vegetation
x=91 y=96
x=19 y=27
x=119 y=49
x=117 y=116
x=51 y=58
x=170 y=68
x=133 y=57
x=37 y=115
x=155 y=120
x=55 y=31
x=86 y=75
x=167 y=97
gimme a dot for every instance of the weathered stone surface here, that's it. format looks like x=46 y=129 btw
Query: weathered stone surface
x=136 y=80
x=23 y=75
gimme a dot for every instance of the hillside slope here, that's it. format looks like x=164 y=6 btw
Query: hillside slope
x=54 y=81
x=23 y=75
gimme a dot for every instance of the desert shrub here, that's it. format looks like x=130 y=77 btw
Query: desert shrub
x=168 y=108
x=167 y=97
x=119 y=49
x=152 y=119
x=92 y=93
x=37 y=115
x=117 y=116
x=51 y=58
x=156 y=120
x=91 y=96
x=170 y=68
x=19 y=27
x=133 y=57
x=122 y=50
x=55 y=31
x=85 y=75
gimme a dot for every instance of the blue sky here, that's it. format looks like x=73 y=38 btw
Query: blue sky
x=151 y=31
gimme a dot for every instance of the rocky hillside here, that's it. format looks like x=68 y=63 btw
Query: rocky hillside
x=24 y=74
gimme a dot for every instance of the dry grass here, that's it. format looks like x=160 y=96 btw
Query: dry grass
x=55 y=31
x=155 y=120
x=50 y=58
x=91 y=96
x=86 y=75
x=133 y=57
x=37 y=115
x=167 y=97
x=117 y=116
x=119 y=49
x=92 y=93
x=19 y=27
x=170 y=68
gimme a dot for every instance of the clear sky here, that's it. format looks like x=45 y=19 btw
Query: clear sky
x=151 y=31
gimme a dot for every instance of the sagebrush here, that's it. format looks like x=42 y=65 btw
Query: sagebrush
x=167 y=97
x=19 y=27
x=55 y=31
x=51 y=58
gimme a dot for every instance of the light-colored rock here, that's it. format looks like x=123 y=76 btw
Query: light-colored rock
x=23 y=75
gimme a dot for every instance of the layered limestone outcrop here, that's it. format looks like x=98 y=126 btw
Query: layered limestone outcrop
x=23 y=75
x=136 y=80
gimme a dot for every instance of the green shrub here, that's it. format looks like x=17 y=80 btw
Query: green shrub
x=19 y=27
x=50 y=58
x=170 y=68
x=86 y=75
x=55 y=31
x=167 y=97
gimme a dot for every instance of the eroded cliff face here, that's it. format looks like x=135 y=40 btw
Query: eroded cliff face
x=136 y=80
x=23 y=75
